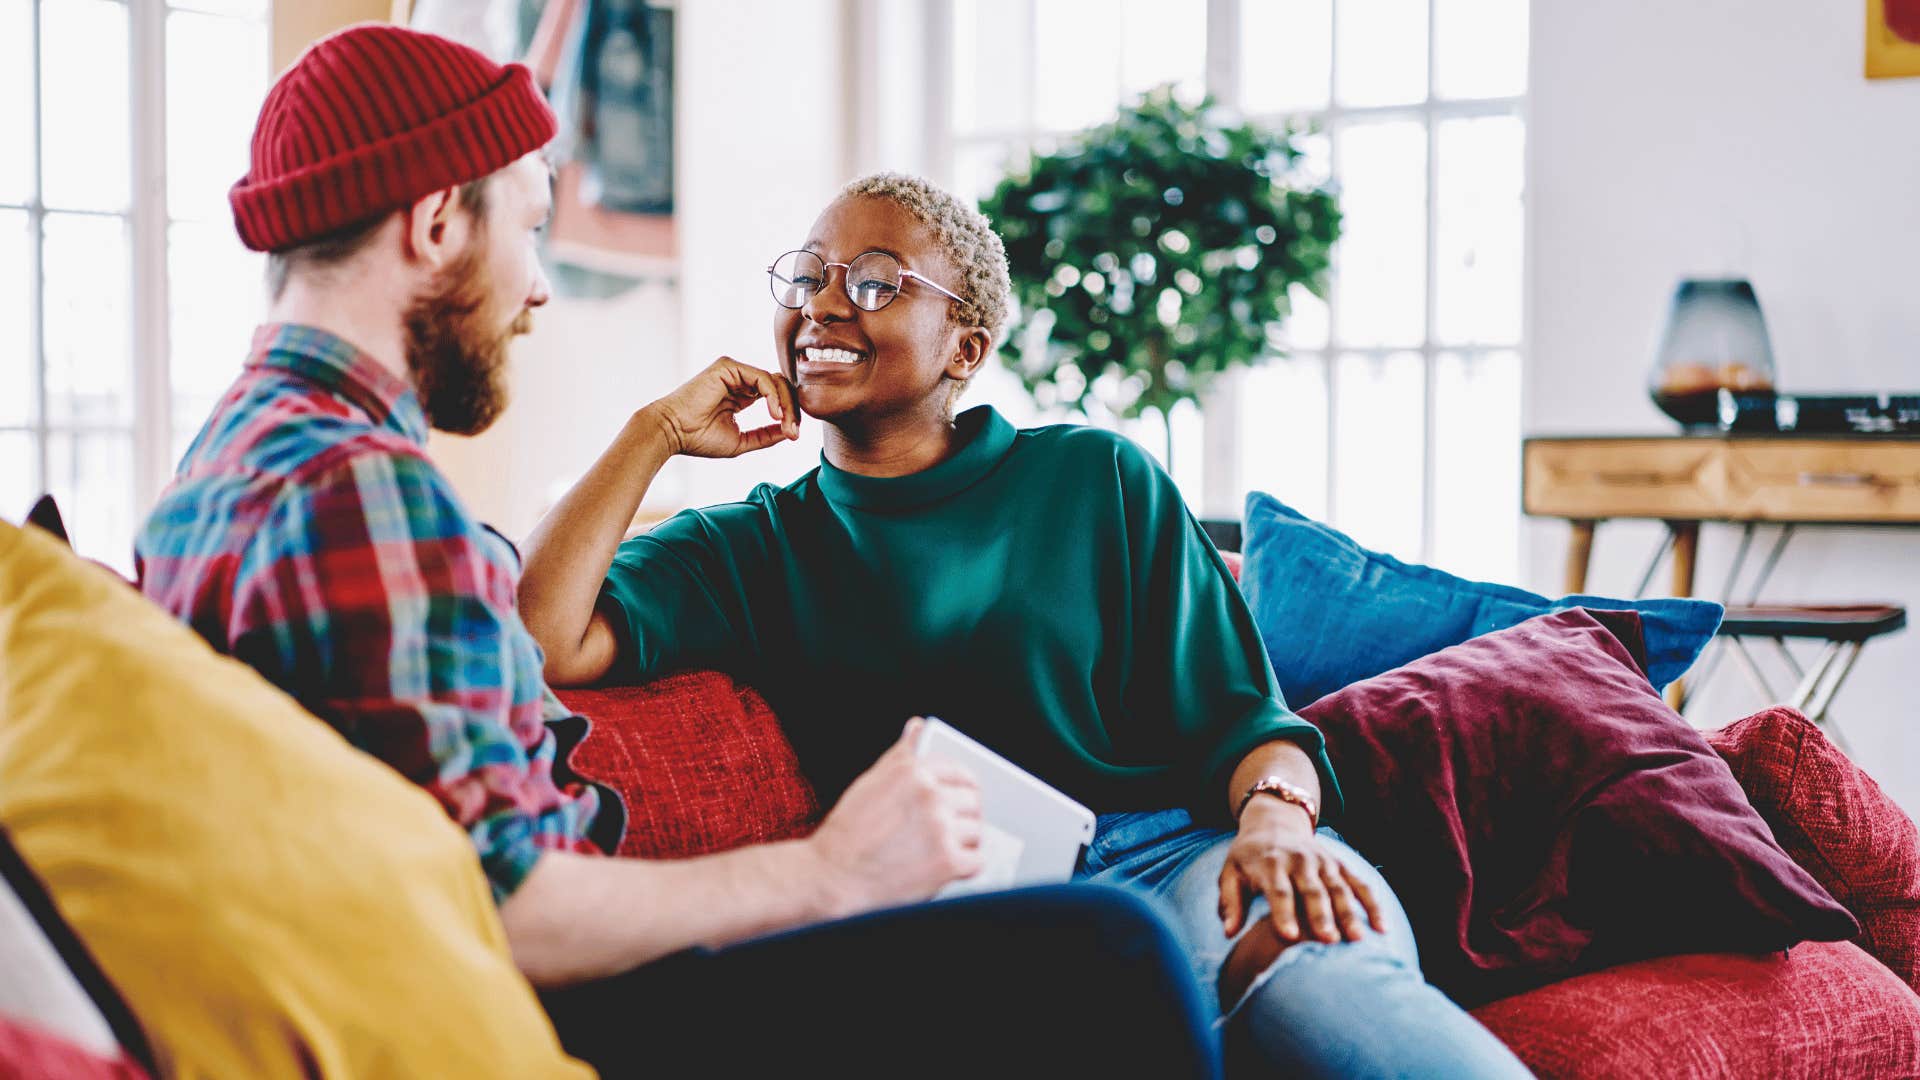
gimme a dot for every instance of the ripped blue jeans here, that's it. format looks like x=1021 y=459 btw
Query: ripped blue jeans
x=1351 y=1009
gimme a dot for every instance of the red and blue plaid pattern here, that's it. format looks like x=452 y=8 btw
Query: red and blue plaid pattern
x=307 y=534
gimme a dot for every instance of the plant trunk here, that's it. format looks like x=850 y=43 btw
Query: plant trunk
x=1157 y=358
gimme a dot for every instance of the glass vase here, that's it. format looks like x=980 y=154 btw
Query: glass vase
x=1715 y=339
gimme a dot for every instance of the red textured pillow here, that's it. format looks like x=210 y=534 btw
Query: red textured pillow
x=26 y=1050
x=1824 y=1011
x=1835 y=821
x=62 y=1017
x=1541 y=812
x=700 y=761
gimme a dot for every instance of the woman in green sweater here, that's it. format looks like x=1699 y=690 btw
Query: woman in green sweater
x=1045 y=591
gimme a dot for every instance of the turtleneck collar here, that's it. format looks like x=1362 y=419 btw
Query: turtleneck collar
x=985 y=437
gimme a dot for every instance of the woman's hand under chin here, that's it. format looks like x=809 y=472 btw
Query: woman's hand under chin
x=701 y=418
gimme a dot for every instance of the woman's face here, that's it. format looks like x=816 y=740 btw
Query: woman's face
x=849 y=364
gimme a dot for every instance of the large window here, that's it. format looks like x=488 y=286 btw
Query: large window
x=125 y=297
x=1395 y=411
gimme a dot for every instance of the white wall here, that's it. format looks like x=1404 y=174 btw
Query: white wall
x=761 y=147
x=1729 y=137
x=574 y=381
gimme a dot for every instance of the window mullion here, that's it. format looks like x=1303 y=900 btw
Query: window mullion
x=1220 y=411
x=1020 y=139
x=36 y=228
x=937 y=107
x=1030 y=89
x=1429 y=469
x=860 y=51
x=1330 y=360
x=152 y=426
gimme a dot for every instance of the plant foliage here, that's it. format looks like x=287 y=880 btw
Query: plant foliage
x=1158 y=250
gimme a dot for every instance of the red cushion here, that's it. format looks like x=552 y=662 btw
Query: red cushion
x=701 y=762
x=26 y=1050
x=1835 y=821
x=1824 y=1011
x=1541 y=812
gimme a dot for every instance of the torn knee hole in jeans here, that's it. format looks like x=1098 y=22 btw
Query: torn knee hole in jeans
x=1258 y=950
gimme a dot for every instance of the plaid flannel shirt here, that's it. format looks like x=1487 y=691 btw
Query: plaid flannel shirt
x=307 y=534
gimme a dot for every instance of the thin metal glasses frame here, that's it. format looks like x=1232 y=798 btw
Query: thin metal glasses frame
x=846 y=269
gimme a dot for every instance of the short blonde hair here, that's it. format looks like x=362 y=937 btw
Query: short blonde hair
x=964 y=236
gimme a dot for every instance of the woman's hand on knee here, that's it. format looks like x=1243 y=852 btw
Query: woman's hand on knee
x=1277 y=855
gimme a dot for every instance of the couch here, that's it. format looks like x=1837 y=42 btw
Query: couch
x=705 y=767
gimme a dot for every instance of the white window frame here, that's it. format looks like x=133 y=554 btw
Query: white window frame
x=147 y=221
x=152 y=325
x=1222 y=487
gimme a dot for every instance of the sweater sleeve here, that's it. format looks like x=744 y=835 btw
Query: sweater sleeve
x=678 y=596
x=1198 y=660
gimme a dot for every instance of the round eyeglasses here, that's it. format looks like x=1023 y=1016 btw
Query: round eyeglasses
x=872 y=280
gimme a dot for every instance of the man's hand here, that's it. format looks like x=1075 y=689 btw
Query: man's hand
x=903 y=829
x=700 y=419
x=1276 y=855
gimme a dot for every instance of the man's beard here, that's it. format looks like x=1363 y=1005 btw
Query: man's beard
x=458 y=363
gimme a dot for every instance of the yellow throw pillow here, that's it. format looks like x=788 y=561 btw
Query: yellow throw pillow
x=270 y=901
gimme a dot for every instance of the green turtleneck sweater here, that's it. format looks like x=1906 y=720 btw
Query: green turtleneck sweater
x=1045 y=591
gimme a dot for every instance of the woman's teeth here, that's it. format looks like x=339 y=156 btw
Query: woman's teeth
x=831 y=356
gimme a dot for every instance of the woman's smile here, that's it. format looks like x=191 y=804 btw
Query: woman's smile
x=815 y=363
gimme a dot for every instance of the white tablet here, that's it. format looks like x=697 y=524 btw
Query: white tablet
x=1033 y=833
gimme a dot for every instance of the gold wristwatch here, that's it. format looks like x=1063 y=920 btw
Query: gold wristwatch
x=1285 y=791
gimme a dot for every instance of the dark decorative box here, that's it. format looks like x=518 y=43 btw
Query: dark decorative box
x=1819 y=414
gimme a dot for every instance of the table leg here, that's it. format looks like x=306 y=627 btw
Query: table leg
x=1579 y=554
x=1686 y=548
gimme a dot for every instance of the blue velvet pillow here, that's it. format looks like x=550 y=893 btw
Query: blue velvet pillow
x=1333 y=613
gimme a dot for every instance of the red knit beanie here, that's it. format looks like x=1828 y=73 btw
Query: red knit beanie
x=372 y=118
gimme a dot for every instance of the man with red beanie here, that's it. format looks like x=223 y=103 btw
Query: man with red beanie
x=397 y=186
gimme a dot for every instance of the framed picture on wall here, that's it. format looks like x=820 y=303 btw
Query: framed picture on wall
x=1893 y=38
x=607 y=67
x=611 y=81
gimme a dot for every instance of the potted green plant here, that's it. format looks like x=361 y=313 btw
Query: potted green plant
x=1153 y=252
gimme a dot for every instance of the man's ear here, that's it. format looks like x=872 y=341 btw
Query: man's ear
x=971 y=351
x=431 y=226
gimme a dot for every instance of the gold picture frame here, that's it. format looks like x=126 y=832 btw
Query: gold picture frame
x=1892 y=54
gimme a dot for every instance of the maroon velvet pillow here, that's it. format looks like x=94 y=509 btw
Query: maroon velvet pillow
x=1541 y=812
x=1824 y=1011
x=1835 y=821
x=700 y=761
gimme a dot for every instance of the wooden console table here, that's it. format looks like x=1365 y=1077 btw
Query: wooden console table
x=1684 y=480
x=1687 y=479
